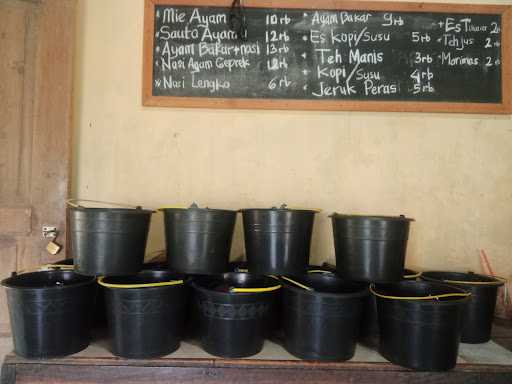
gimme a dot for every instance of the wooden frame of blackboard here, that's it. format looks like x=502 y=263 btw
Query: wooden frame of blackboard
x=505 y=107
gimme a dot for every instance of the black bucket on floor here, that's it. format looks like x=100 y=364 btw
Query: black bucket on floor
x=238 y=266
x=370 y=322
x=233 y=324
x=277 y=240
x=370 y=248
x=108 y=241
x=50 y=312
x=479 y=313
x=321 y=316
x=420 y=323
x=99 y=319
x=198 y=239
x=324 y=268
x=146 y=313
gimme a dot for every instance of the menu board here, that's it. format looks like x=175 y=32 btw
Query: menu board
x=303 y=57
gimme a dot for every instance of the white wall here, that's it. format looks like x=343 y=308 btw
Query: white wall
x=451 y=172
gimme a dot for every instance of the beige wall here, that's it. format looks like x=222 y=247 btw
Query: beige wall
x=452 y=173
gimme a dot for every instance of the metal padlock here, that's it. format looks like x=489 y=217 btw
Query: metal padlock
x=53 y=248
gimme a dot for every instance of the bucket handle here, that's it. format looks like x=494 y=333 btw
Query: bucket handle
x=46 y=267
x=66 y=267
x=73 y=203
x=429 y=297
x=413 y=276
x=501 y=280
x=171 y=207
x=300 y=285
x=144 y=285
x=316 y=210
x=255 y=290
x=323 y=271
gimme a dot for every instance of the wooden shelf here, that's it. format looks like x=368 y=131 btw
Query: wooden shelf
x=485 y=363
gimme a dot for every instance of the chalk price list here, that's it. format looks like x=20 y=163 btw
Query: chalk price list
x=309 y=54
x=277 y=43
x=454 y=37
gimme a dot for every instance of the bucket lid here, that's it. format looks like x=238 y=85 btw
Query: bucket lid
x=48 y=279
x=370 y=217
x=463 y=278
x=193 y=207
x=282 y=208
x=237 y=283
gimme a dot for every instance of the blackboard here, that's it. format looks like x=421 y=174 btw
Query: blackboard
x=318 y=55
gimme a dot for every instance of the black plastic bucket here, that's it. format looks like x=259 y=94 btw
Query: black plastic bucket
x=108 y=241
x=273 y=321
x=479 y=313
x=99 y=320
x=277 y=240
x=50 y=312
x=370 y=321
x=321 y=318
x=420 y=323
x=198 y=239
x=238 y=266
x=233 y=324
x=370 y=248
x=146 y=313
x=155 y=265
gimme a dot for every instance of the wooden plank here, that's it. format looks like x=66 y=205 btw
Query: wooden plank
x=505 y=343
x=41 y=373
x=502 y=333
x=505 y=107
x=52 y=110
x=8 y=374
x=14 y=154
x=15 y=220
x=110 y=360
x=501 y=328
x=8 y=250
x=506 y=54
x=351 y=5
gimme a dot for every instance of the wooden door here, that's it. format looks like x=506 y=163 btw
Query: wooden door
x=36 y=52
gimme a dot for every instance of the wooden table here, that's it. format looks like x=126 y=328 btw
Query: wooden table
x=273 y=365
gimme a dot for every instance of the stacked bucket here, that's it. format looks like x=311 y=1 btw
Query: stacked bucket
x=317 y=313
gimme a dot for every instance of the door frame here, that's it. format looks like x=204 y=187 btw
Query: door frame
x=47 y=108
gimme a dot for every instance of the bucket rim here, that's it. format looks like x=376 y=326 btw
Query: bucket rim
x=236 y=292
x=495 y=280
x=460 y=296
x=364 y=291
x=336 y=215
x=411 y=273
x=280 y=210
x=131 y=211
x=196 y=209
x=8 y=284
x=171 y=279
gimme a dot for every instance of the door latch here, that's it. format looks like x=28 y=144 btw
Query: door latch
x=51 y=233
